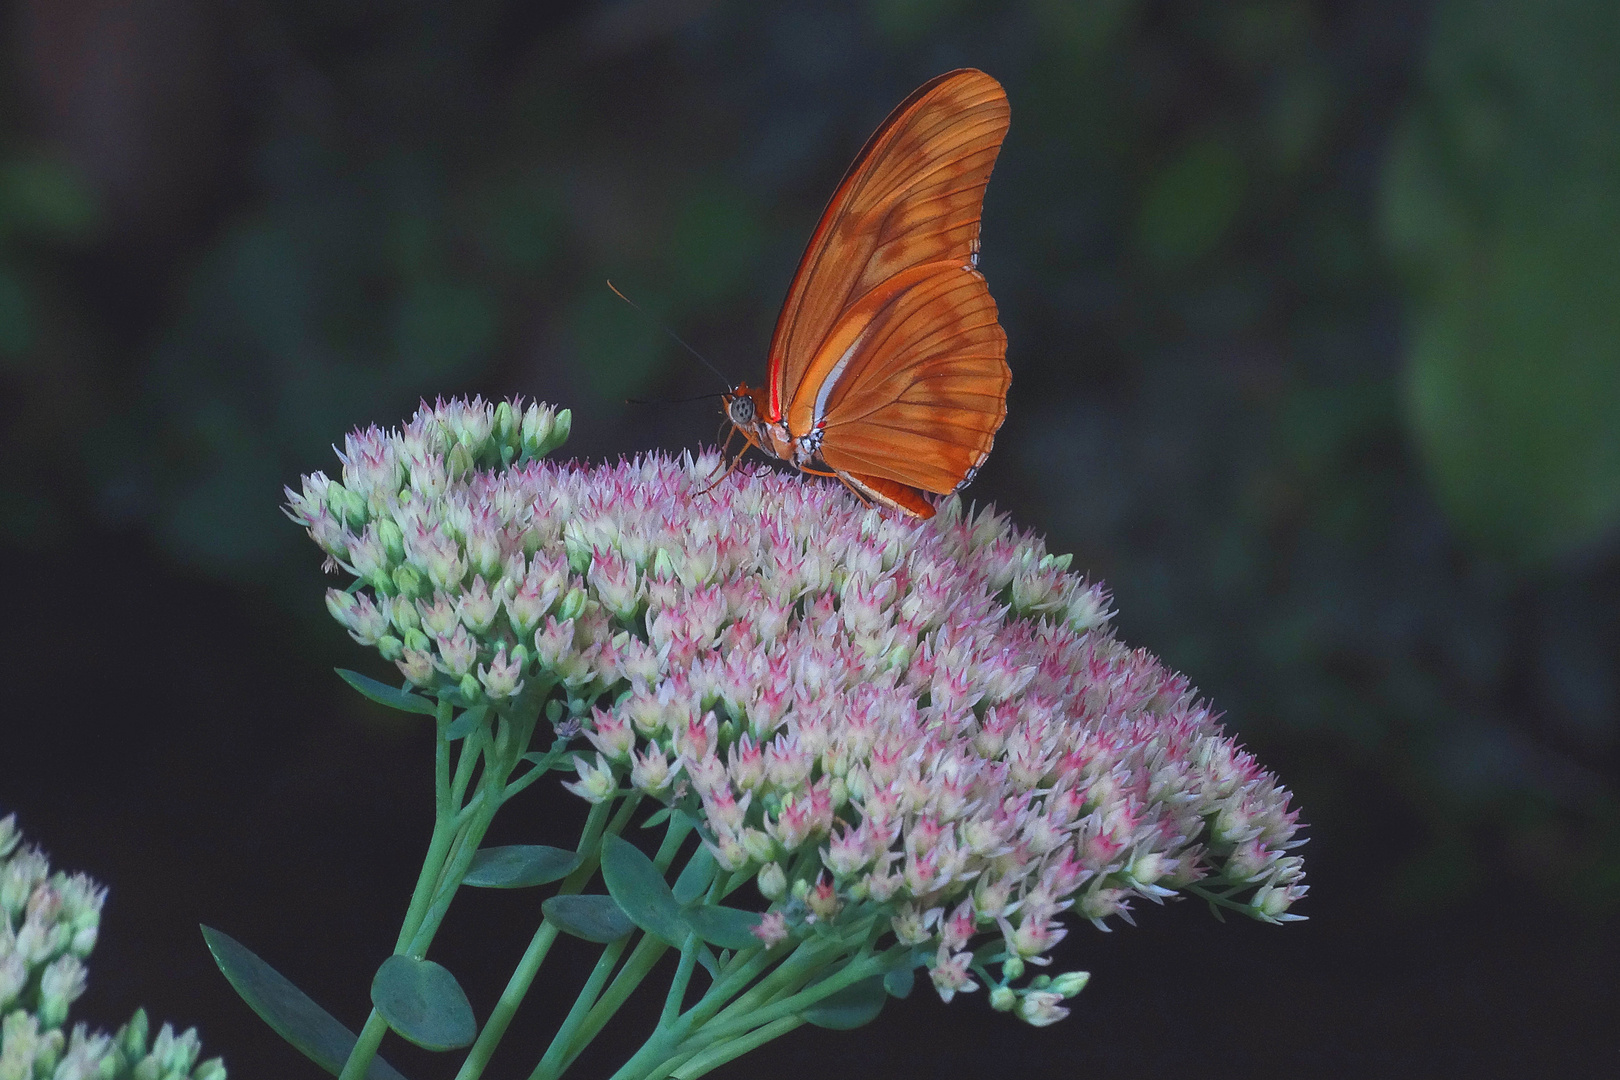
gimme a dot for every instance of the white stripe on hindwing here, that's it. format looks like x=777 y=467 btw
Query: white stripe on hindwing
x=831 y=380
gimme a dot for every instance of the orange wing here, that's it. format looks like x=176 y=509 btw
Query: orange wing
x=919 y=380
x=913 y=196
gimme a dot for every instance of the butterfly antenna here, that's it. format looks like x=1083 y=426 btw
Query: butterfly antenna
x=672 y=401
x=673 y=336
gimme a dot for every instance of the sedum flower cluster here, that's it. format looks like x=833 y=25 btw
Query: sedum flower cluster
x=859 y=709
x=48 y=925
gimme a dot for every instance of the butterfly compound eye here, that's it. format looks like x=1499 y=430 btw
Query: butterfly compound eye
x=740 y=410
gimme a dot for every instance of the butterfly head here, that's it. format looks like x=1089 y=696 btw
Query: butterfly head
x=745 y=405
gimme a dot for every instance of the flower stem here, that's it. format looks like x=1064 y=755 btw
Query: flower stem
x=682 y=979
x=716 y=1056
x=365 y=1047
x=517 y=987
x=551 y=1064
x=643 y=958
x=456 y=836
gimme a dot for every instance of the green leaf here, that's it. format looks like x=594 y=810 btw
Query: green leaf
x=641 y=891
x=658 y=817
x=519 y=866
x=466 y=723
x=557 y=758
x=423 y=1003
x=852 y=1007
x=383 y=694
x=591 y=917
x=899 y=982
x=695 y=878
x=310 y=1029
x=727 y=927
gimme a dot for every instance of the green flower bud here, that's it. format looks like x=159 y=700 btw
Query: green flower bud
x=133 y=1035
x=13 y=977
x=471 y=692
x=337 y=498
x=1071 y=983
x=561 y=425
x=404 y=616
x=1003 y=998
x=60 y=985
x=459 y=462
x=1060 y=561
x=342 y=606
x=772 y=881
x=393 y=540
x=212 y=1069
x=1012 y=968
x=391 y=647
x=417 y=641
x=48 y=1052
x=408 y=582
x=572 y=604
x=536 y=430
x=506 y=424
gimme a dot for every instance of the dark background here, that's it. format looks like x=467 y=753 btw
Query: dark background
x=1314 y=314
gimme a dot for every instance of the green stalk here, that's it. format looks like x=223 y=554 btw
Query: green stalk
x=551 y=1063
x=365 y=1047
x=648 y=951
x=722 y=1032
x=682 y=979
x=444 y=835
x=714 y=1057
x=695 y=1032
x=517 y=987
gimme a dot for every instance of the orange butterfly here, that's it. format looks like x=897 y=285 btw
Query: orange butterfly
x=888 y=369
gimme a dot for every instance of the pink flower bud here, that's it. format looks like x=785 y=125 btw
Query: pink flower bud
x=476 y=608
x=457 y=652
x=772 y=929
x=503 y=677
x=417 y=667
x=1039 y=1008
x=950 y=974
x=596 y=782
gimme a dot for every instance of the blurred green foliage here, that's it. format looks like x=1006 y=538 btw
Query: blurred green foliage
x=1503 y=199
x=1311 y=308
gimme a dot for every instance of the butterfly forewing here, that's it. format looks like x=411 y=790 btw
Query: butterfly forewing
x=913 y=196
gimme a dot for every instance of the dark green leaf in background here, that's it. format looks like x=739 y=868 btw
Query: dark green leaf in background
x=519 y=866
x=383 y=694
x=729 y=928
x=641 y=891
x=423 y=1003
x=308 y=1027
x=1191 y=204
x=852 y=1007
x=589 y=917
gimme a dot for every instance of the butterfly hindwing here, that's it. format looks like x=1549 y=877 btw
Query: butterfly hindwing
x=924 y=387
